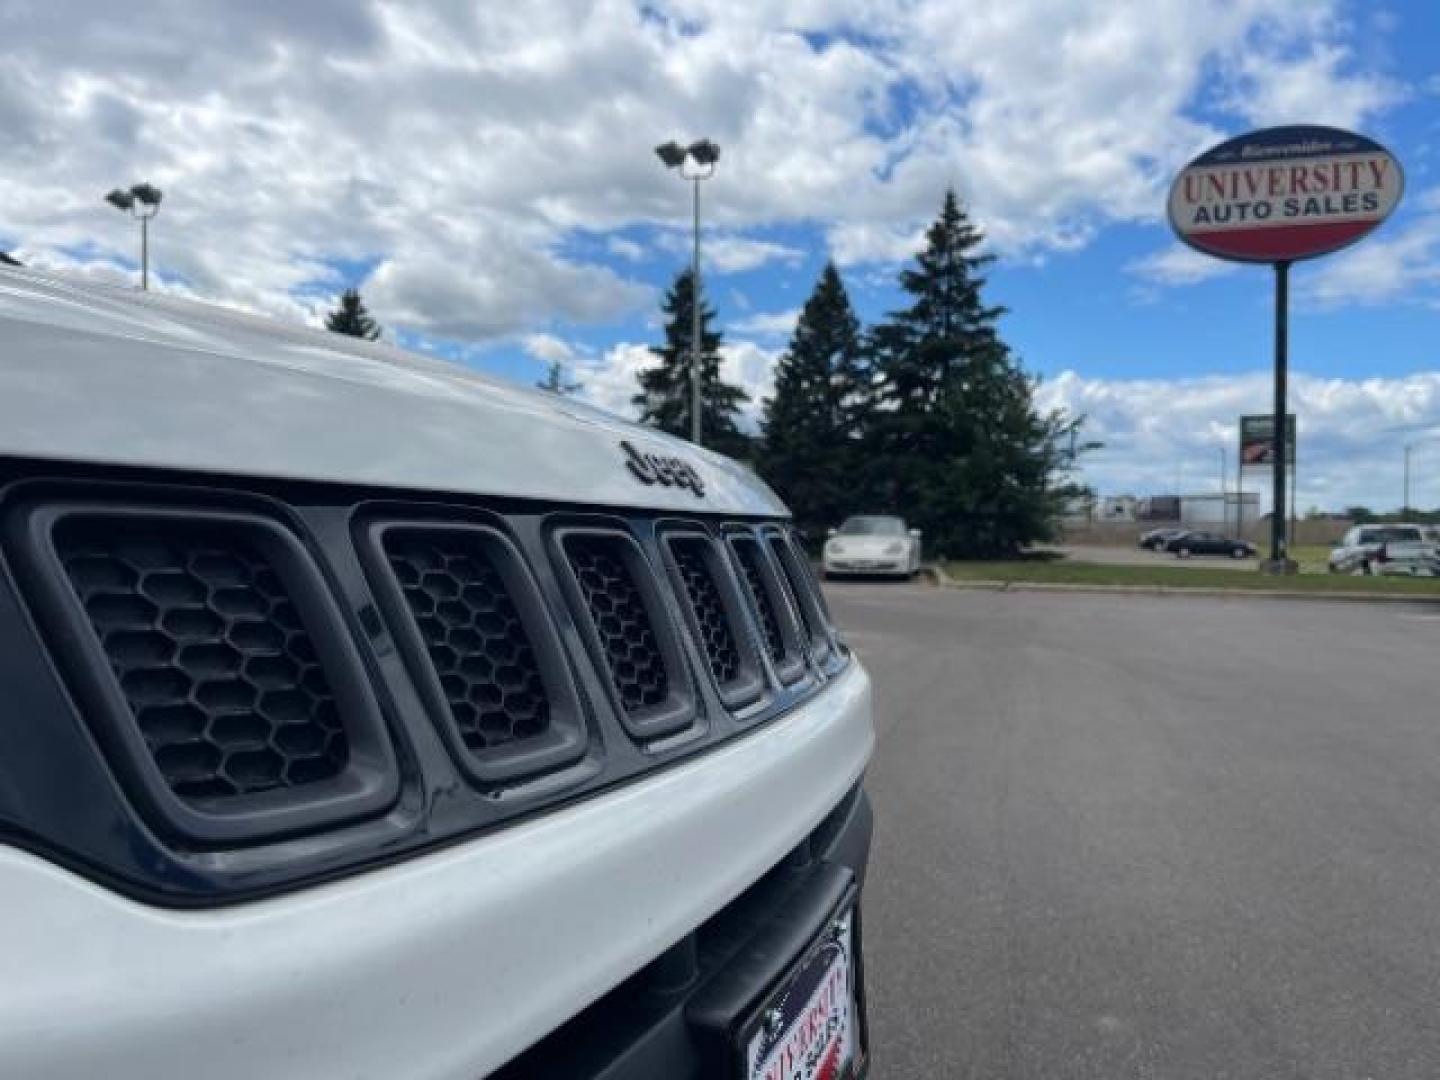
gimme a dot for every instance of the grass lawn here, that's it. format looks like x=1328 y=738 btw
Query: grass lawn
x=1073 y=572
x=1313 y=558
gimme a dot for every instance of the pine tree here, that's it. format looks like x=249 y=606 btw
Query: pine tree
x=812 y=423
x=352 y=318
x=664 y=397
x=957 y=443
x=556 y=380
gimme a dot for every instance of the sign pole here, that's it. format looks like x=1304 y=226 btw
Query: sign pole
x=1295 y=490
x=1276 y=196
x=1239 y=500
x=1282 y=319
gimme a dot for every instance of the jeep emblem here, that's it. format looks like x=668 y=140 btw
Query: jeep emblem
x=662 y=469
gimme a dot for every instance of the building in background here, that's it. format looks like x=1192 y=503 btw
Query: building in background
x=1215 y=510
x=1208 y=510
x=1211 y=510
x=1158 y=508
x=1117 y=508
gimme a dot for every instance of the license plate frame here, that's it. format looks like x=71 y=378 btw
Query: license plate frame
x=777 y=1023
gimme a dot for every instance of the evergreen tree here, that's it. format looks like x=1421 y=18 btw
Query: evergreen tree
x=352 y=318
x=664 y=397
x=812 y=423
x=957 y=443
x=556 y=380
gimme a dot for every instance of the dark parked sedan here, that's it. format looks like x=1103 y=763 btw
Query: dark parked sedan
x=1206 y=543
x=1156 y=539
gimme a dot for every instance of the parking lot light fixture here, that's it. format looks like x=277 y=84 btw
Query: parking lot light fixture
x=671 y=153
x=703 y=153
x=141 y=202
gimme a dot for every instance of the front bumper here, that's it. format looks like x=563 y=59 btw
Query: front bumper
x=1408 y=568
x=669 y=1019
x=888 y=565
x=443 y=966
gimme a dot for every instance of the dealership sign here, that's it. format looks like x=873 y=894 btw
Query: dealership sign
x=1257 y=440
x=1284 y=193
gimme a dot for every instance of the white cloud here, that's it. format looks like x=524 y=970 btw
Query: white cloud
x=1401 y=261
x=728 y=253
x=767 y=323
x=611 y=381
x=752 y=368
x=1162 y=432
x=508 y=287
x=548 y=347
x=853 y=242
x=735 y=255
x=1309 y=89
x=628 y=250
x=456 y=149
x=1179 y=265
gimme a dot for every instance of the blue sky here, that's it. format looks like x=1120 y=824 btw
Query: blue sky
x=485 y=176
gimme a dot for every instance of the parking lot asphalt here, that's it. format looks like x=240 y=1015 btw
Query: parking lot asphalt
x=1151 y=836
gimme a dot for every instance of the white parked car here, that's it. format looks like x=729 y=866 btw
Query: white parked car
x=1386 y=549
x=364 y=716
x=872 y=544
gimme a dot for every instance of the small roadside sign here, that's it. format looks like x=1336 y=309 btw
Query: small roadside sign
x=1257 y=441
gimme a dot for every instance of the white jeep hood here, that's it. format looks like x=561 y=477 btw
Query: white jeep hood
x=104 y=375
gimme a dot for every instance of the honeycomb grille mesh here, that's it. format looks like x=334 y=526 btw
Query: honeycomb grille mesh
x=716 y=640
x=748 y=554
x=210 y=653
x=473 y=634
x=618 y=611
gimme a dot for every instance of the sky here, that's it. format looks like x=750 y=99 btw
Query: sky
x=485 y=174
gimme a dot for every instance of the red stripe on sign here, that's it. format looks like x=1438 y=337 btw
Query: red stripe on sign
x=1276 y=242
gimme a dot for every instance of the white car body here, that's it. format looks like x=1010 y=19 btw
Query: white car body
x=894 y=552
x=448 y=960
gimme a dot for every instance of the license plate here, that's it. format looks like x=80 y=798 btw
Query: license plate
x=812 y=1027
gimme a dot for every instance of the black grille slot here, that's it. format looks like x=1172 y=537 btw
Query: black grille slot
x=474 y=635
x=712 y=623
x=800 y=588
x=210 y=653
x=748 y=554
x=622 y=623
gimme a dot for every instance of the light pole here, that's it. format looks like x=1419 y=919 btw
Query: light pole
x=1405 y=506
x=704 y=154
x=142 y=201
x=1224 y=496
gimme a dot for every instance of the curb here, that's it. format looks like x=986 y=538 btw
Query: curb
x=944 y=580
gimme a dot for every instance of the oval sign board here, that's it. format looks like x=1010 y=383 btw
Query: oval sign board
x=1284 y=193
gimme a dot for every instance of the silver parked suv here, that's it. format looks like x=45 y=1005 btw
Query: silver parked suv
x=1386 y=549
